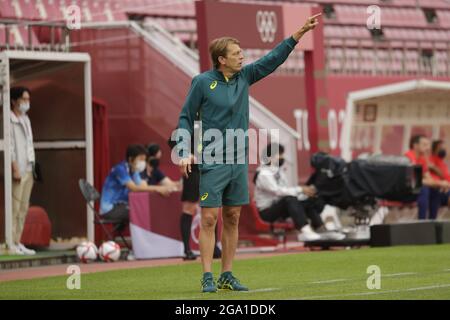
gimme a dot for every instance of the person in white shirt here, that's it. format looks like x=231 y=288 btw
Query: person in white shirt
x=23 y=159
x=276 y=199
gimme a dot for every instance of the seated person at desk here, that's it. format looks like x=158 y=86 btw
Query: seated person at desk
x=123 y=178
x=440 y=172
x=418 y=154
x=152 y=174
x=275 y=199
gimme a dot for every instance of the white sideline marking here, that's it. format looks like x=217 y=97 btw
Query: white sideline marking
x=399 y=274
x=329 y=281
x=262 y=290
x=390 y=275
x=377 y=292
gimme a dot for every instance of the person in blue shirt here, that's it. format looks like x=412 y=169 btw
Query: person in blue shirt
x=123 y=178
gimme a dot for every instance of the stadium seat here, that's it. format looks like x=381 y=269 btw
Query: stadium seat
x=43 y=34
x=10 y=9
x=351 y=61
x=433 y=3
x=99 y=11
x=54 y=10
x=334 y=58
x=442 y=63
x=41 y=10
x=382 y=61
x=397 y=61
x=346 y=31
x=367 y=61
x=334 y=42
x=392 y=16
x=184 y=29
x=86 y=13
x=18 y=36
x=276 y=229
x=37 y=230
x=411 y=61
x=444 y=18
x=29 y=9
x=438 y=37
x=163 y=8
x=110 y=11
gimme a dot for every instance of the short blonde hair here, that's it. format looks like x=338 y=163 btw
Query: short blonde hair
x=218 y=48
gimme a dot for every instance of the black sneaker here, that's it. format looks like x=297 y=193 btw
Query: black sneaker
x=217 y=253
x=190 y=256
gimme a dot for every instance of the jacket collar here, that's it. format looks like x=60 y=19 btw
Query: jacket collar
x=14 y=118
x=220 y=76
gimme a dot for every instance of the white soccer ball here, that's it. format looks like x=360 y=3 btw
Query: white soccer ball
x=87 y=252
x=109 y=251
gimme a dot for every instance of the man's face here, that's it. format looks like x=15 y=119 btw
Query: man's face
x=423 y=147
x=234 y=58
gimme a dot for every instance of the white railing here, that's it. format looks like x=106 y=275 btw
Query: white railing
x=19 y=35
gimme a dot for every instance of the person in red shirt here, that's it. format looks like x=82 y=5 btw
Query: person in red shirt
x=439 y=171
x=419 y=149
x=437 y=158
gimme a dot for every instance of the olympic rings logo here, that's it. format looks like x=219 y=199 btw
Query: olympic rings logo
x=266 y=23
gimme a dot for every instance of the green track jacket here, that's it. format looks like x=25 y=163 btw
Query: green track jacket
x=222 y=104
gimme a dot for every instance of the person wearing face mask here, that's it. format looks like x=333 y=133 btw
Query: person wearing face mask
x=123 y=178
x=153 y=174
x=23 y=160
x=275 y=199
x=439 y=171
x=419 y=155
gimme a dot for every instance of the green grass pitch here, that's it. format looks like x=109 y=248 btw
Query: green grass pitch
x=407 y=272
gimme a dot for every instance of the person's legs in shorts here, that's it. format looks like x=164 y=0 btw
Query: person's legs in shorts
x=213 y=181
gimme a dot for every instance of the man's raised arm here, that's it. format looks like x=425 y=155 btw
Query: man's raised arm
x=276 y=57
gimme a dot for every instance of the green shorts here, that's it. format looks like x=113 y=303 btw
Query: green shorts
x=224 y=185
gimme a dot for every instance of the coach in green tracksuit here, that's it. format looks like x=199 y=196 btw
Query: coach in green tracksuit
x=219 y=98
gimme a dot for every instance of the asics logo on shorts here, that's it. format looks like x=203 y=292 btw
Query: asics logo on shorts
x=204 y=196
